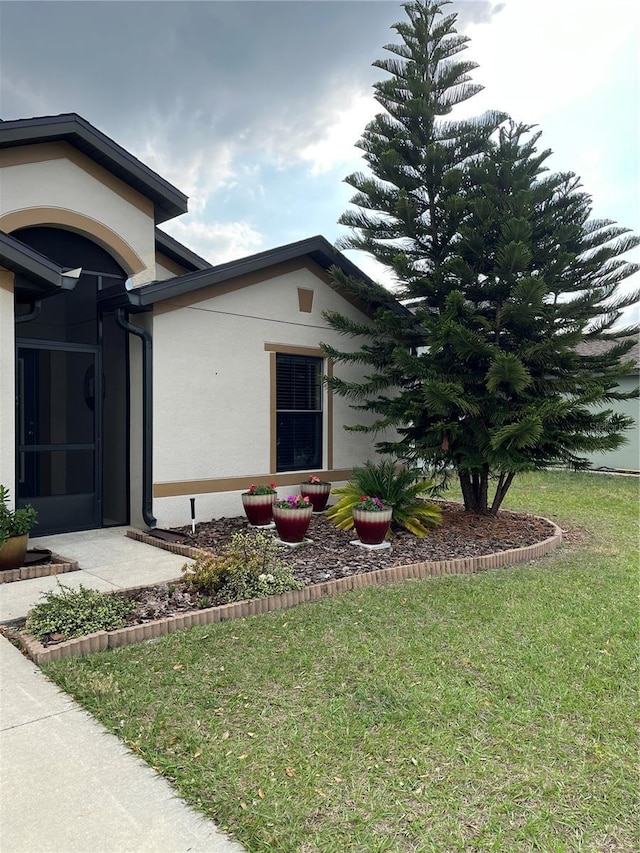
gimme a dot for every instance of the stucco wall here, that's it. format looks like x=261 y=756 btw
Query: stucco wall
x=7 y=385
x=212 y=388
x=60 y=179
x=627 y=457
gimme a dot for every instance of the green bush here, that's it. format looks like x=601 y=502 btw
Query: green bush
x=14 y=522
x=76 y=612
x=248 y=567
x=404 y=489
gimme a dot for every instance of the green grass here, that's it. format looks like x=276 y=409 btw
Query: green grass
x=484 y=713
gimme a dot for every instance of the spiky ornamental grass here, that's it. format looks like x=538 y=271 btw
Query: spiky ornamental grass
x=505 y=275
x=405 y=490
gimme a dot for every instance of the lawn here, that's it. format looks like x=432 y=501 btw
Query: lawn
x=484 y=713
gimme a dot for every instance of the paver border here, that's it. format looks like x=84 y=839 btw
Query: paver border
x=57 y=566
x=102 y=640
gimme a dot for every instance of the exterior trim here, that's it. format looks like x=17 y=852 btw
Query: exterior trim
x=273 y=413
x=305 y=300
x=312 y=352
x=169 y=264
x=167 y=200
x=183 y=256
x=6 y=279
x=210 y=291
x=59 y=216
x=48 y=151
x=177 y=489
x=315 y=251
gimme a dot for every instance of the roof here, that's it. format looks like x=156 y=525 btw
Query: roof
x=179 y=253
x=599 y=347
x=39 y=275
x=317 y=248
x=167 y=200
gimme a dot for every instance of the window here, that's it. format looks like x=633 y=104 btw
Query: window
x=298 y=412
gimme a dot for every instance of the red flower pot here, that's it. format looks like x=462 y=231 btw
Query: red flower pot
x=318 y=494
x=372 y=527
x=292 y=524
x=259 y=508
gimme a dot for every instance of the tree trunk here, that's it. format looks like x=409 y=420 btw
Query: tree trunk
x=475 y=491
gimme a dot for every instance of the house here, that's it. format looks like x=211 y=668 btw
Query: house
x=134 y=375
x=626 y=457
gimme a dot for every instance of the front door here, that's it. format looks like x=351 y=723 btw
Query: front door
x=58 y=415
x=72 y=427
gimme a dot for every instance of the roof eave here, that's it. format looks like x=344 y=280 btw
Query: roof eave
x=317 y=248
x=36 y=271
x=168 y=201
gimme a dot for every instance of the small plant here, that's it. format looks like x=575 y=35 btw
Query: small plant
x=248 y=567
x=314 y=480
x=294 y=502
x=14 y=522
x=371 y=504
x=261 y=490
x=403 y=489
x=75 y=612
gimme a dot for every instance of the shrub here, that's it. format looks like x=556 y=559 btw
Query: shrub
x=248 y=567
x=76 y=612
x=404 y=489
x=14 y=522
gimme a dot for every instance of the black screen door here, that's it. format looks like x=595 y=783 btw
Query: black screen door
x=59 y=401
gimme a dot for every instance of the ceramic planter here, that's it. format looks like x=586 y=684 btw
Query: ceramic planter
x=12 y=552
x=318 y=494
x=372 y=527
x=259 y=508
x=292 y=524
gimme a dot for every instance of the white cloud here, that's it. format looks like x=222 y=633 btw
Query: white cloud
x=217 y=242
x=336 y=144
x=199 y=173
x=534 y=57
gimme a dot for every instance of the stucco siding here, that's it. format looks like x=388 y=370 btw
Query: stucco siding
x=212 y=388
x=63 y=184
x=7 y=386
x=627 y=457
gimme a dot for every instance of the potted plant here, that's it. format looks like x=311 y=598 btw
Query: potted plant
x=317 y=491
x=258 y=504
x=14 y=531
x=292 y=516
x=372 y=518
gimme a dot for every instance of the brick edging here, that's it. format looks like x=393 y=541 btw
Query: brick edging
x=102 y=640
x=58 y=566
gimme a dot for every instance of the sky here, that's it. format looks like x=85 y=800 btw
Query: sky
x=253 y=107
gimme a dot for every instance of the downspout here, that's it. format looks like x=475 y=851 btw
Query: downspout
x=147 y=413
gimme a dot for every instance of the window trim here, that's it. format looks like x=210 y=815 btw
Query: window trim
x=327 y=400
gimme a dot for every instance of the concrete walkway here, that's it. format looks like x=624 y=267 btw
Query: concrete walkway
x=66 y=784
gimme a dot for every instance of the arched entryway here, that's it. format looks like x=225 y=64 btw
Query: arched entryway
x=72 y=416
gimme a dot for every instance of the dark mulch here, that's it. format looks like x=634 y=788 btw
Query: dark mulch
x=331 y=556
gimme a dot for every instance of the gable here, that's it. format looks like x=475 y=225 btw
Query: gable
x=22 y=134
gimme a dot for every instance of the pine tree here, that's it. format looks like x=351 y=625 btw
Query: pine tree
x=503 y=274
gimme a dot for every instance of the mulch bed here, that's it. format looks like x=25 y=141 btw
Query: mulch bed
x=332 y=556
